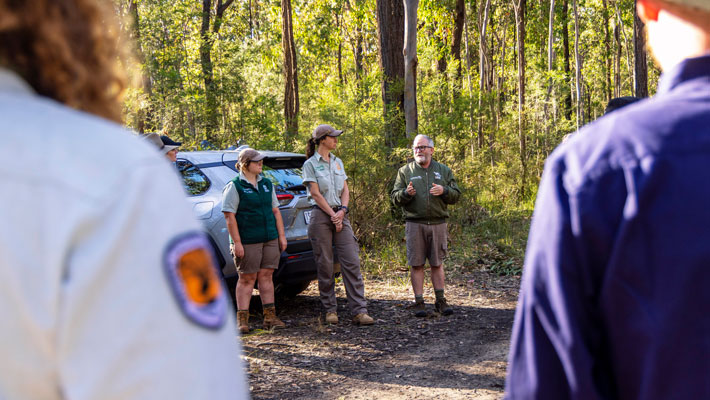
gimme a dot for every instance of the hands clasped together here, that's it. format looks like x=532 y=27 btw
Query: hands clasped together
x=337 y=220
x=436 y=190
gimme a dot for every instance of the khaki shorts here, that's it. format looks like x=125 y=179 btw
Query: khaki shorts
x=257 y=256
x=426 y=242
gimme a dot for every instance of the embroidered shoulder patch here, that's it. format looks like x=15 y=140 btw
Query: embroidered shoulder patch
x=191 y=271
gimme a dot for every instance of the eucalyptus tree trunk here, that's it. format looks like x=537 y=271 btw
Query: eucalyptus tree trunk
x=483 y=67
x=144 y=120
x=607 y=52
x=617 y=62
x=640 y=65
x=390 y=32
x=456 y=43
x=207 y=41
x=579 y=83
x=410 y=67
x=550 y=63
x=565 y=45
x=519 y=8
x=291 y=105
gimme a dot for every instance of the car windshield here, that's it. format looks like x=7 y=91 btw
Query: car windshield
x=285 y=180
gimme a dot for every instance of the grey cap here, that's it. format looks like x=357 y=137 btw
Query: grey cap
x=325 y=130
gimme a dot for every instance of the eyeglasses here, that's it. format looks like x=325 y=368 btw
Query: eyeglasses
x=421 y=148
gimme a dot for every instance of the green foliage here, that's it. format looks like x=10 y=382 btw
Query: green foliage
x=340 y=83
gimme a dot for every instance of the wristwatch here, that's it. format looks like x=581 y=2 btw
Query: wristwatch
x=347 y=210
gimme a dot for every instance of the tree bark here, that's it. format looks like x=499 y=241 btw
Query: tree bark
x=410 y=67
x=550 y=63
x=207 y=73
x=144 y=120
x=482 y=71
x=565 y=45
x=519 y=8
x=640 y=65
x=456 y=43
x=578 y=69
x=607 y=52
x=291 y=104
x=390 y=29
x=207 y=41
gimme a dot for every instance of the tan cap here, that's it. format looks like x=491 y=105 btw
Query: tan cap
x=699 y=4
x=247 y=155
x=325 y=130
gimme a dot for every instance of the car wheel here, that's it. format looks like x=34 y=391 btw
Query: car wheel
x=282 y=290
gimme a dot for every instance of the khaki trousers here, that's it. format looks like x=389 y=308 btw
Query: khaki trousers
x=321 y=232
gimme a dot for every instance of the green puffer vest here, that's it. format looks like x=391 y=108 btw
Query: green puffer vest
x=255 y=219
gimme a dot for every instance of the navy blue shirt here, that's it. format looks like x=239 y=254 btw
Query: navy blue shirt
x=615 y=296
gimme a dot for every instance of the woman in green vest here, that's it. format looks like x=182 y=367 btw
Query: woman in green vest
x=256 y=233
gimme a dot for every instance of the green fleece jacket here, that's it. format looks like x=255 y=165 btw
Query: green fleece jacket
x=424 y=207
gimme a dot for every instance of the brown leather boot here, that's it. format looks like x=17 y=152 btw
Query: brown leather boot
x=243 y=321
x=271 y=320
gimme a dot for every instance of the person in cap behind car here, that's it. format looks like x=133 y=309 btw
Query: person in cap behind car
x=170 y=147
x=167 y=146
x=256 y=235
x=614 y=298
x=108 y=288
x=326 y=181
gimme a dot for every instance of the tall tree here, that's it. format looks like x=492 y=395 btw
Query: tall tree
x=550 y=64
x=519 y=8
x=565 y=48
x=207 y=41
x=459 y=18
x=410 y=67
x=390 y=29
x=483 y=67
x=640 y=65
x=579 y=83
x=290 y=69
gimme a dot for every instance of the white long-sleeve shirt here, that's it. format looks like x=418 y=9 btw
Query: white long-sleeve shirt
x=99 y=260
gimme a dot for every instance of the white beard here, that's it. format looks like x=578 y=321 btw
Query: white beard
x=420 y=159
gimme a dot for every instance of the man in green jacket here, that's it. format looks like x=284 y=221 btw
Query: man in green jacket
x=424 y=188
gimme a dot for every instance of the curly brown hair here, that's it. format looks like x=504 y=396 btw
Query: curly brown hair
x=68 y=50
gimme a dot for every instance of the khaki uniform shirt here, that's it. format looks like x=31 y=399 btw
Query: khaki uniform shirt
x=330 y=177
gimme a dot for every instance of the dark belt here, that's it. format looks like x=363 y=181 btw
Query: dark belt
x=335 y=209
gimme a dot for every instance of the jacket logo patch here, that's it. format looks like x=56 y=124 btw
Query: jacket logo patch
x=416 y=177
x=247 y=190
x=192 y=274
x=437 y=175
x=266 y=188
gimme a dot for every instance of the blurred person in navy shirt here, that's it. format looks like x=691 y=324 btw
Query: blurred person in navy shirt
x=615 y=289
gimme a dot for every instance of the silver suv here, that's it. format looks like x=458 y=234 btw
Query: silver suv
x=205 y=173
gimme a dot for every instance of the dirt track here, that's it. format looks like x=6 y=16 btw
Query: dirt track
x=401 y=357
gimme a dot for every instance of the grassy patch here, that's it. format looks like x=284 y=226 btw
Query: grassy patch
x=479 y=239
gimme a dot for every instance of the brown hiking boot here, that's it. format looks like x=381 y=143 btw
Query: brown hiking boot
x=419 y=309
x=363 y=319
x=331 y=318
x=243 y=321
x=271 y=320
x=442 y=307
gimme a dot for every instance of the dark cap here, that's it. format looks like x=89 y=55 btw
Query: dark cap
x=169 y=142
x=325 y=130
x=247 y=155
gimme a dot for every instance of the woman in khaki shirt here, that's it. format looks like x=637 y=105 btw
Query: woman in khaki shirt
x=325 y=178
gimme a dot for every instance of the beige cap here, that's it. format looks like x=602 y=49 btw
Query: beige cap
x=247 y=155
x=325 y=130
